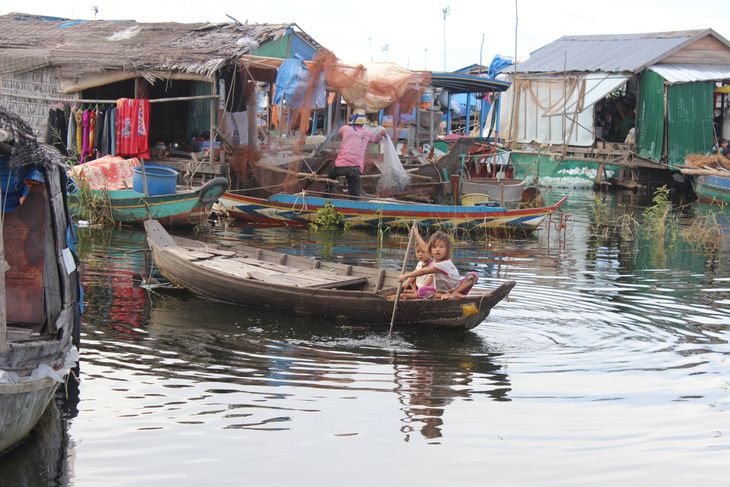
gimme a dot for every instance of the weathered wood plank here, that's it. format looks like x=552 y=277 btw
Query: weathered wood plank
x=220 y=266
x=190 y=255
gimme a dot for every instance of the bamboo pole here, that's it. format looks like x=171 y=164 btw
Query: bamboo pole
x=211 y=137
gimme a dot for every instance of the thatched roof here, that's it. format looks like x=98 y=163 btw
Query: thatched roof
x=82 y=48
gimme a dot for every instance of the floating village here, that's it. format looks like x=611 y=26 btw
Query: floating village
x=163 y=126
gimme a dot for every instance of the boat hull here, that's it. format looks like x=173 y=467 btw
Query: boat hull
x=21 y=406
x=712 y=189
x=181 y=208
x=366 y=305
x=286 y=209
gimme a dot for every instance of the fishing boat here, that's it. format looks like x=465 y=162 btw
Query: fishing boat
x=40 y=313
x=301 y=285
x=302 y=208
x=712 y=188
x=127 y=194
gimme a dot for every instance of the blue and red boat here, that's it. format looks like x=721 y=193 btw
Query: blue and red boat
x=301 y=209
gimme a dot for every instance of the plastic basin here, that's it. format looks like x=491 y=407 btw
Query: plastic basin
x=160 y=179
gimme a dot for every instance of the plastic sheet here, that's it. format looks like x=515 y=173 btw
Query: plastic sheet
x=43 y=371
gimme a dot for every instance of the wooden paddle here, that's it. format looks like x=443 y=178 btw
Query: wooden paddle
x=400 y=284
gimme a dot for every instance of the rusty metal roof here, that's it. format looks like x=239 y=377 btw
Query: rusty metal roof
x=614 y=53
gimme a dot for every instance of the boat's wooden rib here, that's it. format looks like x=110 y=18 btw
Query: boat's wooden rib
x=302 y=285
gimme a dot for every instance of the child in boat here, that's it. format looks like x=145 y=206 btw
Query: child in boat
x=413 y=284
x=447 y=283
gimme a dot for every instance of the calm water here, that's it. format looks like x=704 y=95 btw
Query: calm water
x=608 y=365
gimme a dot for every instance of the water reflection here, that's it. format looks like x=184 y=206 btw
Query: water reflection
x=247 y=349
x=600 y=325
x=44 y=458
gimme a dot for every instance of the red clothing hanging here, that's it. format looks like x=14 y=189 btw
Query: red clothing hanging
x=133 y=121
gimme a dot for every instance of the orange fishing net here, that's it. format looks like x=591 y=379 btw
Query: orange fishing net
x=381 y=86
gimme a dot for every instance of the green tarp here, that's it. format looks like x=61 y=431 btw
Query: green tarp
x=688 y=118
x=650 y=116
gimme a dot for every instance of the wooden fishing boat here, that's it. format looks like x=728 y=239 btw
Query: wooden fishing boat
x=110 y=182
x=40 y=313
x=185 y=207
x=302 y=209
x=305 y=286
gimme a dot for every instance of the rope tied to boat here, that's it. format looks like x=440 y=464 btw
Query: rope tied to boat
x=303 y=195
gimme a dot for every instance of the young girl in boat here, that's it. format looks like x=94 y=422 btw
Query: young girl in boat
x=413 y=284
x=447 y=283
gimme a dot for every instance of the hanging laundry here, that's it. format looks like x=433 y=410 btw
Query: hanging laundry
x=92 y=133
x=79 y=131
x=112 y=131
x=56 y=126
x=133 y=118
x=71 y=137
x=85 y=125
x=100 y=127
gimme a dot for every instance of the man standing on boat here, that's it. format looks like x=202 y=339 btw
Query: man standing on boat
x=351 y=160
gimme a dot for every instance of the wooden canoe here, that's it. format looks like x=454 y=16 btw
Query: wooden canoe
x=302 y=285
x=302 y=208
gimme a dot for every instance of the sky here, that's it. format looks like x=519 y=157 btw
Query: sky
x=436 y=35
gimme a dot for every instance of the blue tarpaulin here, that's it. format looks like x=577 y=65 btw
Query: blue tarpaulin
x=291 y=81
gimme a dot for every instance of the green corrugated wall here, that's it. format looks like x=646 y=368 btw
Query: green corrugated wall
x=650 y=116
x=689 y=120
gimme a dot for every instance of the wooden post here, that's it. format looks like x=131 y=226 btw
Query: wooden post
x=3 y=324
x=144 y=178
x=213 y=103
x=600 y=171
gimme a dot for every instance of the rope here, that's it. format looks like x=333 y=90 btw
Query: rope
x=303 y=195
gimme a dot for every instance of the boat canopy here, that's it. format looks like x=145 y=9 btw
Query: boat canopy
x=464 y=83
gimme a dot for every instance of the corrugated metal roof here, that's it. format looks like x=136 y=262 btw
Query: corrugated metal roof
x=687 y=73
x=610 y=53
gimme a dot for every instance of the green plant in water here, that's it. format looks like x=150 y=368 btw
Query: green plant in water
x=328 y=218
x=656 y=215
x=93 y=207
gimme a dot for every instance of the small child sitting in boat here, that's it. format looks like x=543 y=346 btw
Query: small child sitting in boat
x=447 y=283
x=413 y=284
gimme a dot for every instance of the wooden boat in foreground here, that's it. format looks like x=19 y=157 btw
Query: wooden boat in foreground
x=302 y=285
x=302 y=209
x=40 y=314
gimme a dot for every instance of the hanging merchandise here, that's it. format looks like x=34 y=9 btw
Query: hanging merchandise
x=133 y=118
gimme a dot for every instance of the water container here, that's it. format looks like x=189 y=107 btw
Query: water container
x=160 y=179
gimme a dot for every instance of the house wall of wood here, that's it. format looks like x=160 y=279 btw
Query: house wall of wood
x=707 y=50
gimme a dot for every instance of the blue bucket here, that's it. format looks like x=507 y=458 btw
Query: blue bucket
x=160 y=179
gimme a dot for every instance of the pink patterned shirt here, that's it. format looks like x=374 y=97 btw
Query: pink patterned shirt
x=354 y=143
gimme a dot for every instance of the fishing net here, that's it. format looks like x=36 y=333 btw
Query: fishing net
x=288 y=164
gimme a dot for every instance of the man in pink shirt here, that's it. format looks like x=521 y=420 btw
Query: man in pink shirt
x=351 y=159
